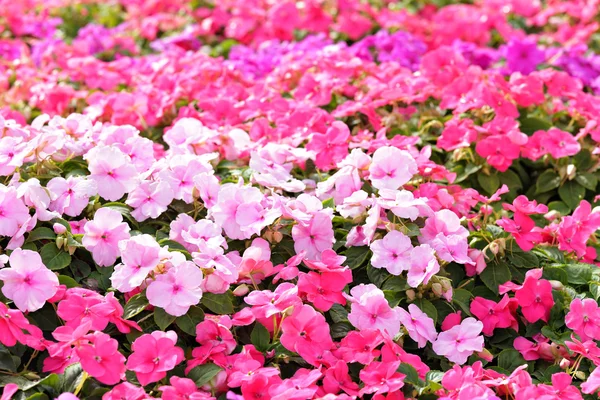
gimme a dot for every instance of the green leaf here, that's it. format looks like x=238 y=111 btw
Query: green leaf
x=71 y=378
x=510 y=359
x=560 y=207
x=578 y=274
x=489 y=183
x=172 y=244
x=41 y=233
x=427 y=308
x=329 y=203
x=412 y=376
x=202 y=374
x=53 y=258
x=462 y=298
x=524 y=260
x=7 y=363
x=260 y=337
x=188 y=322
x=587 y=180
x=583 y=160
x=339 y=330
x=547 y=181
x=67 y=281
x=357 y=256
x=377 y=275
x=135 y=305
x=495 y=274
x=556 y=274
x=338 y=313
x=571 y=193
x=38 y=396
x=63 y=222
x=529 y=125
x=162 y=318
x=595 y=289
x=218 y=303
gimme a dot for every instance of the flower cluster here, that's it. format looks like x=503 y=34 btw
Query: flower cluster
x=296 y=200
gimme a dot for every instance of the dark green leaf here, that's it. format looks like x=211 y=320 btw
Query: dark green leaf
x=188 y=322
x=583 y=160
x=357 y=256
x=162 y=318
x=489 y=183
x=427 y=308
x=41 y=233
x=571 y=193
x=556 y=274
x=218 y=303
x=578 y=274
x=260 y=337
x=462 y=298
x=67 y=281
x=529 y=125
x=53 y=258
x=7 y=363
x=547 y=181
x=202 y=374
x=587 y=180
x=559 y=206
x=412 y=376
x=339 y=330
x=495 y=274
x=510 y=359
x=338 y=313
x=135 y=305
x=524 y=260
x=71 y=378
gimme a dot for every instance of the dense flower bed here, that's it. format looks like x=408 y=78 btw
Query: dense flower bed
x=293 y=200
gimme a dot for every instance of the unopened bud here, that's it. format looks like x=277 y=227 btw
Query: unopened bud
x=557 y=285
x=60 y=241
x=410 y=294
x=277 y=236
x=552 y=215
x=288 y=311
x=241 y=290
x=580 y=375
x=485 y=355
x=564 y=363
x=494 y=248
x=571 y=171
x=59 y=229
x=446 y=285
x=437 y=289
x=71 y=249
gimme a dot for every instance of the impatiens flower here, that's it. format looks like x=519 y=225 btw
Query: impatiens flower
x=420 y=327
x=523 y=55
x=584 y=318
x=305 y=332
x=314 y=237
x=330 y=147
x=176 y=290
x=592 y=384
x=360 y=346
x=370 y=310
x=154 y=355
x=337 y=378
x=13 y=212
x=392 y=252
x=560 y=143
x=391 y=168
x=72 y=194
x=139 y=256
x=498 y=151
x=103 y=234
x=149 y=199
x=180 y=389
x=127 y=391
x=380 y=377
x=459 y=342
x=423 y=265
x=28 y=283
x=323 y=290
x=101 y=359
x=112 y=171
x=535 y=298
x=266 y=303
x=495 y=315
x=13 y=326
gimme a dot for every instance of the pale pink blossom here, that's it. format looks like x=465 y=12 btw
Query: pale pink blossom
x=103 y=234
x=391 y=168
x=177 y=290
x=112 y=171
x=459 y=342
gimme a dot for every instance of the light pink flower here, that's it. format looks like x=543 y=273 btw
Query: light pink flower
x=423 y=265
x=370 y=310
x=112 y=171
x=149 y=199
x=72 y=194
x=392 y=252
x=13 y=213
x=28 y=283
x=459 y=342
x=103 y=234
x=314 y=237
x=177 y=290
x=420 y=327
x=139 y=256
x=391 y=168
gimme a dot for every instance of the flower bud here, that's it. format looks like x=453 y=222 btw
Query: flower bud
x=557 y=285
x=485 y=355
x=437 y=289
x=59 y=229
x=564 y=363
x=494 y=248
x=60 y=241
x=410 y=294
x=277 y=236
x=571 y=171
x=241 y=290
x=580 y=375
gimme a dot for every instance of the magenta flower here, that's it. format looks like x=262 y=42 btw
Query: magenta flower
x=459 y=342
x=420 y=327
x=559 y=143
x=330 y=147
x=177 y=290
x=584 y=319
x=592 y=384
x=391 y=168
x=380 y=377
x=323 y=290
x=535 y=299
x=101 y=358
x=154 y=355
x=112 y=171
x=495 y=315
x=392 y=252
x=28 y=283
x=266 y=303
x=103 y=234
x=306 y=332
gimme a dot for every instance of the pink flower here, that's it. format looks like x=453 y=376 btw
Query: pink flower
x=560 y=143
x=266 y=303
x=13 y=212
x=103 y=234
x=370 y=310
x=81 y=306
x=101 y=359
x=149 y=199
x=28 y=283
x=330 y=147
x=112 y=171
x=181 y=389
x=420 y=327
x=176 y=290
x=535 y=298
x=127 y=391
x=498 y=151
x=360 y=346
x=593 y=382
x=337 y=378
x=323 y=290
x=153 y=355
x=314 y=237
x=391 y=168
x=12 y=326
x=380 y=377
x=423 y=265
x=495 y=315
x=459 y=342
x=584 y=319
x=72 y=194
x=139 y=256
x=306 y=332
x=392 y=252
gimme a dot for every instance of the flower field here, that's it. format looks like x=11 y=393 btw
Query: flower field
x=288 y=200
